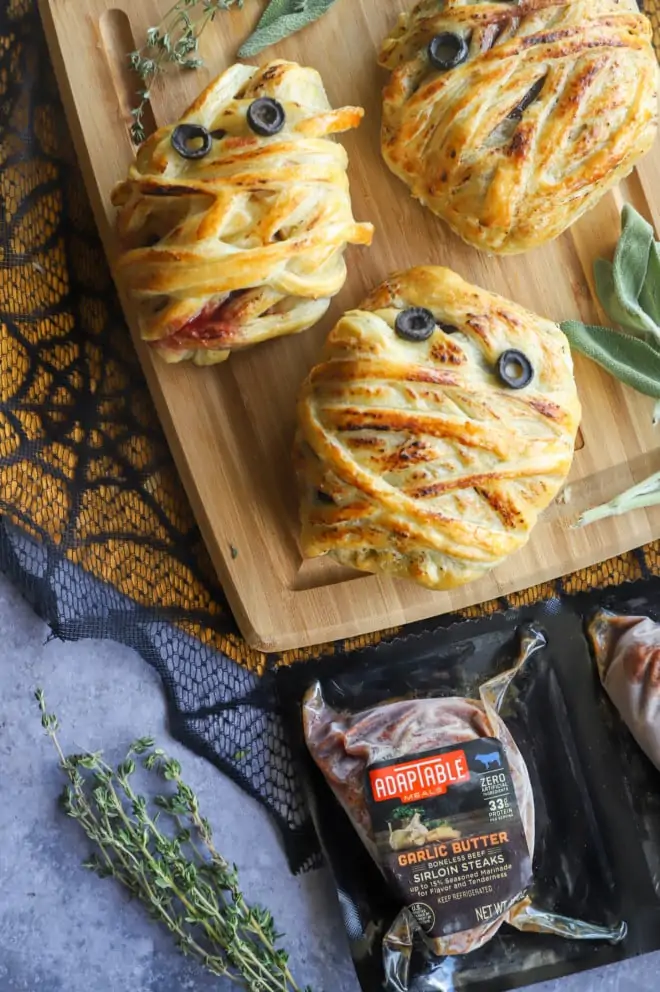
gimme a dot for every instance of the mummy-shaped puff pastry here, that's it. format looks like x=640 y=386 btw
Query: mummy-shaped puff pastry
x=233 y=222
x=440 y=421
x=509 y=120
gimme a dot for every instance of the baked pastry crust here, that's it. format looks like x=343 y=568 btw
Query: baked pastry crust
x=245 y=243
x=414 y=458
x=507 y=177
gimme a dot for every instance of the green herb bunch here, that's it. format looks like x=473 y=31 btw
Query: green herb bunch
x=165 y=856
x=628 y=289
x=175 y=41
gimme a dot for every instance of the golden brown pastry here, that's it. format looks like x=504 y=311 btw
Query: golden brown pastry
x=439 y=422
x=510 y=120
x=233 y=222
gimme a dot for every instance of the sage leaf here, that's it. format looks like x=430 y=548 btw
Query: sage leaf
x=280 y=20
x=649 y=297
x=613 y=305
x=632 y=253
x=630 y=271
x=633 y=361
x=278 y=8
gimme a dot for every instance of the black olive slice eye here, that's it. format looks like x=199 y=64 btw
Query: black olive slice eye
x=447 y=50
x=265 y=116
x=415 y=324
x=191 y=140
x=515 y=369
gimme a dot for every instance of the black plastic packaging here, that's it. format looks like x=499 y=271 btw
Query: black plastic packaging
x=597 y=797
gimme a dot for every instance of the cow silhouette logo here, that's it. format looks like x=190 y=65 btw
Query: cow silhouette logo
x=491 y=758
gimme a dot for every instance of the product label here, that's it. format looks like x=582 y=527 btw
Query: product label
x=449 y=833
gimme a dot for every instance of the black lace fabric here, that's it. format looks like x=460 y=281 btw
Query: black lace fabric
x=95 y=529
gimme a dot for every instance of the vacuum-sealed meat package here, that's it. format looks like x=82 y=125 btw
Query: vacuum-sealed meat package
x=627 y=652
x=487 y=817
x=440 y=795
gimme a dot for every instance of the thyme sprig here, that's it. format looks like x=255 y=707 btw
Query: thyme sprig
x=175 y=40
x=166 y=858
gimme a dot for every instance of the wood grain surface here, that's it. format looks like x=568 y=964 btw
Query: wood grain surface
x=230 y=426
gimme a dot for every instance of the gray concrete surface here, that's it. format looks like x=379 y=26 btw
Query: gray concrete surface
x=64 y=930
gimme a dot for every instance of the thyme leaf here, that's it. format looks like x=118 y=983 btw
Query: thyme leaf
x=174 y=41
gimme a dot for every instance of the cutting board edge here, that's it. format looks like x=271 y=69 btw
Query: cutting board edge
x=396 y=616
x=219 y=558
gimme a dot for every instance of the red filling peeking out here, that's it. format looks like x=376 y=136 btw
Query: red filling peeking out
x=214 y=326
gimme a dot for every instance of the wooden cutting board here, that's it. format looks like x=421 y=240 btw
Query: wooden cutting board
x=230 y=427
